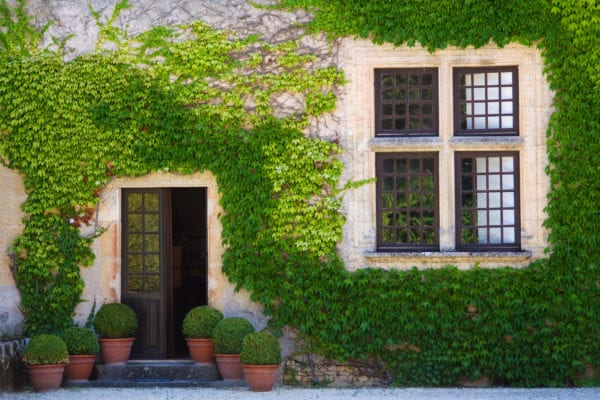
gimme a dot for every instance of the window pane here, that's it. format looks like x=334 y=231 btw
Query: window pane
x=134 y=223
x=509 y=235
x=386 y=80
x=134 y=202
x=151 y=202
x=152 y=263
x=135 y=263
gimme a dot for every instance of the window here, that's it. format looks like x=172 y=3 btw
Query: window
x=485 y=101
x=487 y=199
x=407 y=201
x=406 y=102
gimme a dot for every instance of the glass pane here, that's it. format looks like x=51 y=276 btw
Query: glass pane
x=152 y=222
x=508 y=182
x=400 y=109
x=492 y=78
x=479 y=79
x=427 y=94
x=507 y=164
x=386 y=124
x=401 y=166
x=467 y=200
x=388 y=200
x=427 y=123
x=465 y=80
x=482 y=219
x=135 y=263
x=482 y=236
x=507 y=107
x=508 y=217
x=427 y=109
x=494 y=164
x=152 y=283
x=413 y=80
x=428 y=236
x=482 y=200
x=151 y=201
x=134 y=223
x=386 y=80
x=467 y=182
x=402 y=237
x=479 y=108
x=467 y=165
x=387 y=218
x=400 y=124
x=428 y=164
x=413 y=123
x=494 y=181
x=415 y=166
x=428 y=200
x=413 y=95
x=388 y=183
x=135 y=283
x=479 y=123
x=427 y=80
x=386 y=109
x=151 y=243
x=413 y=109
x=494 y=217
x=507 y=122
x=467 y=236
x=387 y=94
x=507 y=78
x=388 y=166
x=400 y=94
x=493 y=93
x=401 y=200
x=387 y=235
x=493 y=107
x=401 y=183
x=508 y=199
x=136 y=243
x=428 y=185
x=479 y=94
x=493 y=123
x=494 y=199
x=507 y=93
x=152 y=263
x=134 y=202
x=495 y=235
x=481 y=182
x=509 y=235
x=401 y=80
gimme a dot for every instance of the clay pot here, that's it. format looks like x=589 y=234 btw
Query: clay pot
x=201 y=351
x=80 y=367
x=230 y=367
x=46 y=377
x=260 y=378
x=116 y=351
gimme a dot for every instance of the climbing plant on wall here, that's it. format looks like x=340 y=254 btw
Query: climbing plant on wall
x=186 y=99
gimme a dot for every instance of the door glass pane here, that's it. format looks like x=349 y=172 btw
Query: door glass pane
x=152 y=263
x=135 y=243
x=135 y=283
x=134 y=223
x=134 y=202
x=151 y=202
x=152 y=283
x=151 y=243
x=136 y=263
x=152 y=222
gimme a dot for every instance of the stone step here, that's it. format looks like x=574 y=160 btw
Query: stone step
x=151 y=373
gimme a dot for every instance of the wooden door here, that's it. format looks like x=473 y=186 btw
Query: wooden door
x=144 y=271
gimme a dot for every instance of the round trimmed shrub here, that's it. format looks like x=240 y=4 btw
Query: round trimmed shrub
x=260 y=348
x=115 y=320
x=46 y=350
x=229 y=334
x=200 y=321
x=80 y=341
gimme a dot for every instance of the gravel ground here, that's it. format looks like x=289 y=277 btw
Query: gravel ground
x=281 y=393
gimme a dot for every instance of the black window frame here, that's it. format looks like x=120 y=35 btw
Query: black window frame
x=459 y=130
x=407 y=104
x=407 y=246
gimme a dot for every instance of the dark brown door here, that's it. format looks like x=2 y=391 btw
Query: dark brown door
x=164 y=265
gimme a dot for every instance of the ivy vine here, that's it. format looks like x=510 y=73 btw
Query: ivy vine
x=185 y=99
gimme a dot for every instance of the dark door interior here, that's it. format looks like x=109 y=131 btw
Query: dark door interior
x=164 y=266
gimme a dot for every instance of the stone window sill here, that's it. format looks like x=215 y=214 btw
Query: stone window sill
x=461 y=259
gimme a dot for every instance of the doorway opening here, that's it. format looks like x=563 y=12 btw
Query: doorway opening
x=164 y=265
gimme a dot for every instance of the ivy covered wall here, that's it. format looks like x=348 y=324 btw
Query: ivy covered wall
x=187 y=98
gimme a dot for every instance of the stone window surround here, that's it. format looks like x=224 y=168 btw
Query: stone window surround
x=360 y=145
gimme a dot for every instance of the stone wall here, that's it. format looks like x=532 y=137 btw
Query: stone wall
x=12 y=371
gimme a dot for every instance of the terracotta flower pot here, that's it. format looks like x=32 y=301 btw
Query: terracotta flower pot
x=116 y=351
x=230 y=367
x=260 y=378
x=202 y=351
x=80 y=367
x=46 y=377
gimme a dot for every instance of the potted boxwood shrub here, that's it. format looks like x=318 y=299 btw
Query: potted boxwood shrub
x=116 y=324
x=83 y=346
x=197 y=328
x=227 y=339
x=260 y=357
x=46 y=357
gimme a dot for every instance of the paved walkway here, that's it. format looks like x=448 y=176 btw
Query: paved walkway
x=281 y=393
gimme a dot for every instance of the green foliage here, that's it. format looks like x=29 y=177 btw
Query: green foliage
x=200 y=321
x=115 y=320
x=80 y=341
x=45 y=350
x=260 y=348
x=185 y=99
x=229 y=333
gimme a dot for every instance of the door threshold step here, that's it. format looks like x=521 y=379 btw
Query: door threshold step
x=148 y=383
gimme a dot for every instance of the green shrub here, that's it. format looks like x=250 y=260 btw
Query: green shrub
x=200 y=321
x=260 y=348
x=44 y=350
x=80 y=341
x=229 y=334
x=115 y=320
